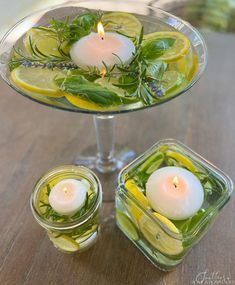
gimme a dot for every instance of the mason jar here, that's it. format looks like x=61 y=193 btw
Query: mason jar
x=68 y=234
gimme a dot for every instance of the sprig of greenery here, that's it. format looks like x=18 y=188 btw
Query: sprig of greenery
x=50 y=214
x=66 y=33
x=140 y=79
x=79 y=27
x=38 y=58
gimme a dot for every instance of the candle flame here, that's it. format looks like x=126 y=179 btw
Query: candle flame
x=65 y=189
x=176 y=181
x=103 y=72
x=100 y=30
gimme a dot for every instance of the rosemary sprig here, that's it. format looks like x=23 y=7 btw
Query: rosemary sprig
x=37 y=58
x=52 y=215
x=140 y=79
x=79 y=27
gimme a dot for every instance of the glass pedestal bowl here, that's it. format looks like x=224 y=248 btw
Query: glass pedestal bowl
x=153 y=19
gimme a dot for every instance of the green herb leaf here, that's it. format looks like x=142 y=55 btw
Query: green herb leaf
x=153 y=49
x=156 y=69
x=93 y=92
x=80 y=26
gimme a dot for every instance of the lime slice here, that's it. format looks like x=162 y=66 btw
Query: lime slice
x=87 y=241
x=158 y=238
x=45 y=40
x=64 y=242
x=184 y=161
x=86 y=234
x=38 y=80
x=150 y=161
x=156 y=164
x=108 y=83
x=123 y=23
x=126 y=225
x=179 y=49
x=171 y=80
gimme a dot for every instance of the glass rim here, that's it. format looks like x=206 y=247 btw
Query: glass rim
x=56 y=171
x=222 y=201
x=77 y=3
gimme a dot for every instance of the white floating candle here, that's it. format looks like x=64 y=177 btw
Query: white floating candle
x=96 y=48
x=174 y=192
x=68 y=196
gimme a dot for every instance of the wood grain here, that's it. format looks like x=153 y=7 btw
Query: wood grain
x=35 y=138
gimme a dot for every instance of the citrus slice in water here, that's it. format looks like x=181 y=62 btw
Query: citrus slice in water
x=87 y=240
x=158 y=238
x=126 y=225
x=134 y=210
x=184 y=161
x=149 y=162
x=39 y=80
x=64 y=242
x=180 y=47
x=45 y=40
x=172 y=79
x=83 y=104
x=123 y=23
x=136 y=192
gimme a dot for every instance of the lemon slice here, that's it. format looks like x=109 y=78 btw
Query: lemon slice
x=179 y=49
x=136 y=192
x=126 y=225
x=122 y=22
x=183 y=160
x=64 y=243
x=83 y=104
x=37 y=80
x=134 y=210
x=166 y=222
x=158 y=238
x=46 y=41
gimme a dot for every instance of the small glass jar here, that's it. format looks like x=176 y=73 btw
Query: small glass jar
x=163 y=241
x=68 y=235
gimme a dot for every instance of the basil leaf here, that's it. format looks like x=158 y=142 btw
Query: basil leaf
x=86 y=20
x=93 y=92
x=156 y=69
x=155 y=48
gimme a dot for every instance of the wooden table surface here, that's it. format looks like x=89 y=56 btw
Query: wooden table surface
x=34 y=138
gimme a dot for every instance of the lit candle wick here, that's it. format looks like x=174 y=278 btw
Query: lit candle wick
x=65 y=189
x=100 y=30
x=176 y=182
x=103 y=72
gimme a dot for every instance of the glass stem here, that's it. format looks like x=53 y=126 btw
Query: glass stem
x=105 y=136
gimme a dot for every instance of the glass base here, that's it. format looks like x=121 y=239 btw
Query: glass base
x=107 y=172
x=113 y=164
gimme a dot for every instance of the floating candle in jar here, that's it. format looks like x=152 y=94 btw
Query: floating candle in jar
x=96 y=49
x=68 y=196
x=174 y=192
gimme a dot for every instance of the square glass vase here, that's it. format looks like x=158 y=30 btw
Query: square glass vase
x=163 y=241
